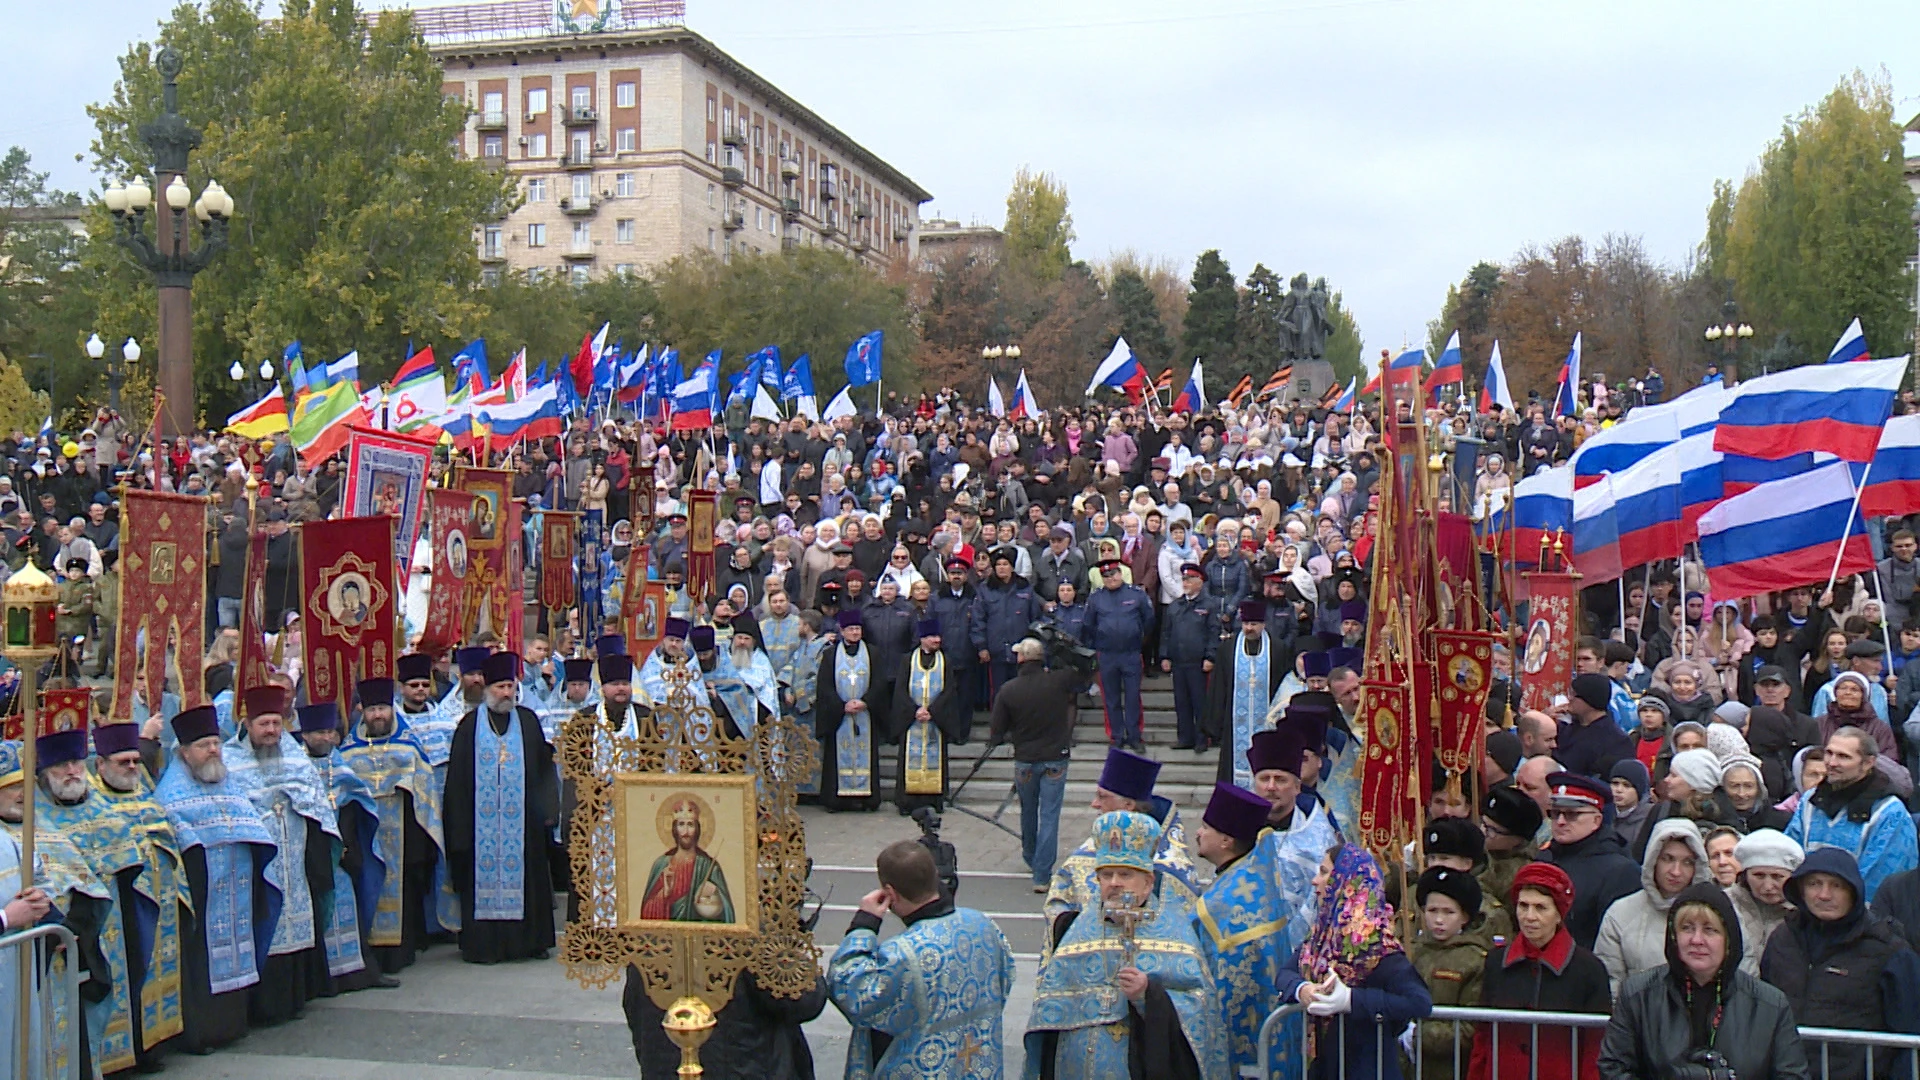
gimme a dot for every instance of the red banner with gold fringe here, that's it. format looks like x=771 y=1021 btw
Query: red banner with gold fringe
x=1382 y=724
x=559 y=533
x=252 y=669
x=163 y=598
x=347 y=604
x=1465 y=659
x=702 y=516
x=1544 y=664
x=493 y=545
x=66 y=710
x=449 y=519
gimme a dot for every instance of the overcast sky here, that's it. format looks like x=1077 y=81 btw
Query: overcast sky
x=1387 y=144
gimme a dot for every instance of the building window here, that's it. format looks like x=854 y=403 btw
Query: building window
x=537 y=101
x=623 y=185
x=710 y=190
x=582 y=97
x=713 y=109
x=623 y=269
x=726 y=120
x=492 y=245
x=709 y=153
x=490 y=277
x=493 y=147
x=537 y=190
x=582 y=146
x=623 y=95
x=493 y=107
x=813 y=205
x=623 y=231
x=537 y=145
x=759 y=177
x=579 y=275
x=625 y=140
x=536 y=235
x=709 y=239
x=583 y=185
x=536 y=274
x=582 y=235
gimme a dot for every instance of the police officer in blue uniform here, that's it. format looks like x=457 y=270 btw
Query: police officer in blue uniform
x=1119 y=616
x=1189 y=639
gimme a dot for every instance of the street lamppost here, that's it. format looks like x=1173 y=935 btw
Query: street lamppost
x=1730 y=335
x=992 y=355
x=170 y=256
x=255 y=387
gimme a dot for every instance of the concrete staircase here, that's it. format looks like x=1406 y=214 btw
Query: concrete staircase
x=1186 y=777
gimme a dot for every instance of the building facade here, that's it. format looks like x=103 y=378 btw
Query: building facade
x=633 y=140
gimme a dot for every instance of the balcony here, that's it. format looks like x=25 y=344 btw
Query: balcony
x=578 y=252
x=493 y=256
x=790 y=167
x=491 y=121
x=495 y=162
x=862 y=209
x=829 y=225
x=858 y=244
x=582 y=116
x=788 y=243
x=901 y=231
x=734 y=220
x=577 y=205
x=734 y=135
x=732 y=177
x=577 y=158
x=829 y=190
x=790 y=210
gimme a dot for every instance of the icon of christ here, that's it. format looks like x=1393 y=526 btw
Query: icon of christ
x=685 y=884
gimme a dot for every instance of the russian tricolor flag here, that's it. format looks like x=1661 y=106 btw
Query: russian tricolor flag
x=1345 y=404
x=1623 y=445
x=1406 y=367
x=1851 y=346
x=1701 y=486
x=534 y=416
x=1025 y=405
x=1596 y=532
x=1193 y=396
x=1739 y=475
x=693 y=399
x=1566 y=401
x=1893 y=481
x=1493 y=389
x=1447 y=370
x=1694 y=412
x=1542 y=507
x=1818 y=407
x=1783 y=534
x=1121 y=371
x=1647 y=508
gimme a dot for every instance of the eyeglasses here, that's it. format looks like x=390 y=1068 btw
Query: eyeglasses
x=1570 y=813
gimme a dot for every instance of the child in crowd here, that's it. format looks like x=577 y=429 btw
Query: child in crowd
x=1450 y=953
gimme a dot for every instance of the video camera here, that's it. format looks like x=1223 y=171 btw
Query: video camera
x=1063 y=651
x=946 y=862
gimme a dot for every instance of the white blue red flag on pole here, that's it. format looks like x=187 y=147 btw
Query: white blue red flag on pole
x=1784 y=534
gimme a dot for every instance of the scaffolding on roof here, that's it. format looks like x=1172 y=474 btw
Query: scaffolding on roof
x=511 y=20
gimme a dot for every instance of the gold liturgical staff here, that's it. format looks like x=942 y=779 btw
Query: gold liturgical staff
x=726 y=894
x=32 y=601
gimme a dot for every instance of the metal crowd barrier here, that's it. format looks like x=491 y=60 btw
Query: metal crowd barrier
x=52 y=1046
x=1907 y=1046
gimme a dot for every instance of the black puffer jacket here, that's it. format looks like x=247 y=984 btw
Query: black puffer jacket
x=1601 y=873
x=755 y=1037
x=1651 y=1036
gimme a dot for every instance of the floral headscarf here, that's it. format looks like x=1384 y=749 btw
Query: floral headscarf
x=1353 y=924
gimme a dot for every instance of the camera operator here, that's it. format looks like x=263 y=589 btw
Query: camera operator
x=1035 y=711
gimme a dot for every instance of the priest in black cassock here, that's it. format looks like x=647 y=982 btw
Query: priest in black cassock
x=502 y=802
x=843 y=721
x=1241 y=690
x=928 y=713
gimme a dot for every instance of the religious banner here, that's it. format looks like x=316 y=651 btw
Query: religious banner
x=590 y=571
x=557 y=529
x=701 y=518
x=347 y=605
x=252 y=667
x=1386 y=772
x=641 y=500
x=449 y=519
x=1544 y=664
x=65 y=710
x=1465 y=660
x=494 y=550
x=513 y=595
x=163 y=587
x=644 y=623
x=387 y=473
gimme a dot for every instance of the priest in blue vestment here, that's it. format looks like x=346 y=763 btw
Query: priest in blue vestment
x=235 y=904
x=1242 y=690
x=1125 y=990
x=392 y=848
x=350 y=965
x=502 y=802
x=1126 y=783
x=927 y=1001
x=929 y=712
x=843 y=721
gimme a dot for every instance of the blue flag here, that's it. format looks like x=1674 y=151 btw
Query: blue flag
x=799 y=380
x=471 y=363
x=539 y=377
x=767 y=363
x=863 y=360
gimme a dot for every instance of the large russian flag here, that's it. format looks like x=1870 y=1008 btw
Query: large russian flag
x=1566 y=400
x=1851 y=346
x=1119 y=370
x=1701 y=486
x=1893 y=481
x=1695 y=411
x=1193 y=396
x=535 y=416
x=1839 y=408
x=1784 y=534
x=1493 y=388
x=1596 y=532
x=1447 y=370
x=1623 y=445
x=1739 y=475
x=1542 y=508
x=1648 y=510
x=693 y=399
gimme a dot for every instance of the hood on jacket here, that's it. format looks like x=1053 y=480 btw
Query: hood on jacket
x=1716 y=898
x=1673 y=828
x=1829 y=860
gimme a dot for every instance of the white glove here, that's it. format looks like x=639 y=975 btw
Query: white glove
x=1406 y=1038
x=1334 y=1002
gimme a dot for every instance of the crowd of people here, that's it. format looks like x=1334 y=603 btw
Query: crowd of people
x=1707 y=838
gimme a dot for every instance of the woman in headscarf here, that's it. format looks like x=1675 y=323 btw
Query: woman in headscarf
x=1352 y=964
x=1746 y=787
x=1631 y=932
x=1541 y=969
x=900 y=570
x=1723 y=645
x=1699 y=1014
x=1690 y=691
x=1691 y=789
x=1852 y=706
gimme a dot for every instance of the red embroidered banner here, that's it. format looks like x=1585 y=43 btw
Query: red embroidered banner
x=387 y=473
x=558 y=535
x=163 y=595
x=633 y=581
x=449 y=519
x=66 y=710
x=347 y=608
x=702 y=516
x=1386 y=772
x=1465 y=659
x=252 y=669
x=1545 y=663
x=493 y=547
x=513 y=595
x=643 y=619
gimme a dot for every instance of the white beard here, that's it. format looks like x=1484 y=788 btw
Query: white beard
x=211 y=771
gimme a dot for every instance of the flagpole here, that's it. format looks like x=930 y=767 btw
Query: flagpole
x=1852 y=510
